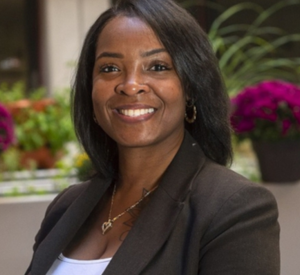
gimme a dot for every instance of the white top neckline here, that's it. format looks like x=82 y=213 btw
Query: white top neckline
x=74 y=261
x=66 y=266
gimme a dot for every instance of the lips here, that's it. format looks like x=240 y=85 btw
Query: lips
x=136 y=112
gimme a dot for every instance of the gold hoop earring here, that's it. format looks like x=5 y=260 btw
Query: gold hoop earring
x=190 y=112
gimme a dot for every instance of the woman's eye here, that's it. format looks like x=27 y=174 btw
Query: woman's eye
x=108 y=69
x=159 y=67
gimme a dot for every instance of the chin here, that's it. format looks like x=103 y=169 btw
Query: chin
x=136 y=143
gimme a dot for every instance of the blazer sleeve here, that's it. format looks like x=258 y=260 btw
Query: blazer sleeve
x=243 y=236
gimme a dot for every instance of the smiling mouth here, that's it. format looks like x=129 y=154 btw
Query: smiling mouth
x=135 y=112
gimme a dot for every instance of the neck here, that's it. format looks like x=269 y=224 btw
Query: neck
x=143 y=167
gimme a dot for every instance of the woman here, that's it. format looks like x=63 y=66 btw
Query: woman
x=150 y=110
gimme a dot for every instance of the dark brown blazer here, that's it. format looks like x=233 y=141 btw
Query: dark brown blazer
x=202 y=219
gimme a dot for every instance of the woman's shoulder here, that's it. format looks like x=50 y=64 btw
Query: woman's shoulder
x=234 y=214
x=62 y=202
x=67 y=196
x=217 y=186
x=58 y=207
x=213 y=176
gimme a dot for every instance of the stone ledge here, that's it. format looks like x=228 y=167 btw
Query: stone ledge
x=35 y=182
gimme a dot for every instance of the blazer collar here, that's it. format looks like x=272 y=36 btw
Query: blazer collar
x=150 y=230
x=159 y=217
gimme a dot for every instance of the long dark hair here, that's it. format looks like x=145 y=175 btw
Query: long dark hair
x=196 y=66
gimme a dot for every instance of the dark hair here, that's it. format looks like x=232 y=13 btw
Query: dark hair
x=196 y=66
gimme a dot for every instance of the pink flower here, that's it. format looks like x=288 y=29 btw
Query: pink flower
x=271 y=107
x=6 y=129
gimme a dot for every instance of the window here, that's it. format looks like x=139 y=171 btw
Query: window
x=19 y=36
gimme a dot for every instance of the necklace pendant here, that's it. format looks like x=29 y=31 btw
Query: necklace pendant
x=106 y=226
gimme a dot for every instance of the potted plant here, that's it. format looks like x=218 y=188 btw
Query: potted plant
x=269 y=114
x=42 y=134
x=250 y=52
x=42 y=125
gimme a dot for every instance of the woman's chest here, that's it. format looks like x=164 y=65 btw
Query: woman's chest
x=93 y=242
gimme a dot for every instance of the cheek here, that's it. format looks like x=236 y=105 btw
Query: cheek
x=99 y=109
x=174 y=100
x=98 y=96
x=175 y=97
x=95 y=97
x=96 y=103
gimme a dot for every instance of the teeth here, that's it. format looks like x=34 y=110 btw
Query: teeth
x=136 y=112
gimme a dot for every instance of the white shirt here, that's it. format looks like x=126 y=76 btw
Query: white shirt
x=66 y=266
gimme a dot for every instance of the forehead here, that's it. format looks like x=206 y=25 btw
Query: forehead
x=123 y=30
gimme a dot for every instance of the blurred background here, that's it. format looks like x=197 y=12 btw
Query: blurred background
x=258 y=47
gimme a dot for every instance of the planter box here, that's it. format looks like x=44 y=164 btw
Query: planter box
x=278 y=161
x=35 y=182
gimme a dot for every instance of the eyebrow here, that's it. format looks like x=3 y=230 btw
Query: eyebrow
x=110 y=54
x=152 y=52
x=119 y=55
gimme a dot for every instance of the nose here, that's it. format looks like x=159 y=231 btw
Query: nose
x=132 y=84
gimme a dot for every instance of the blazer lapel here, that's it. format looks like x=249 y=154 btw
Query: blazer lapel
x=67 y=226
x=156 y=221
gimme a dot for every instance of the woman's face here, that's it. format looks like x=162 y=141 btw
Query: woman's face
x=137 y=95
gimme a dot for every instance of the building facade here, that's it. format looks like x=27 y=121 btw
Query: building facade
x=40 y=40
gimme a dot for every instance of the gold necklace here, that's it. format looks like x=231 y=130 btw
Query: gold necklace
x=108 y=225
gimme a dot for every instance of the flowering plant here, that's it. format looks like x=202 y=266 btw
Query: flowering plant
x=6 y=129
x=269 y=111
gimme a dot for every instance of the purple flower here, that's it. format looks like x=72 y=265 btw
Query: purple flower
x=270 y=108
x=6 y=129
